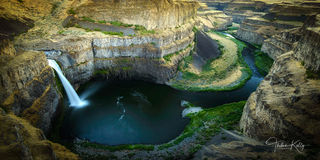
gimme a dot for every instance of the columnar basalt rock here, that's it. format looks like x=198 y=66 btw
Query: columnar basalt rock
x=29 y=95
x=151 y=14
x=286 y=103
x=28 y=86
x=257 y=29
x=281 y=43
x=85 y=54
x=19 y=140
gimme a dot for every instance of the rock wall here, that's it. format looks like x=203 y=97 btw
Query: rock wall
x=280 y=43
x=20 y=140
x=285 y=105
x=308 y=50
x=85 y=54
x=28 y=88
x=149 y=13
x=256 y=29
x=215 y=20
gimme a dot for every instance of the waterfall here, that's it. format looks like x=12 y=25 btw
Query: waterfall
x=74 y=99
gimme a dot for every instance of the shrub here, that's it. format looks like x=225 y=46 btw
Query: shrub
x=102 y=22
x=60 y=32
x=112 y=33
x=71 y=11
x=88 y=19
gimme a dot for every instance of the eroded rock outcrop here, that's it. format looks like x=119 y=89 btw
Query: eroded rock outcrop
x=212 y=19
x=120 y=56
x=285 y=105
x=257 y=29
x=281 y=43
x=20 y=140
x=28 y=88
x=151 y=14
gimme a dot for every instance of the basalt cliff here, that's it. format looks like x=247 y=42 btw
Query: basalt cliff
x=32 y=31
x=147 y=39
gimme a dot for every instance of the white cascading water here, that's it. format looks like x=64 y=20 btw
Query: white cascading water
x=74 y=99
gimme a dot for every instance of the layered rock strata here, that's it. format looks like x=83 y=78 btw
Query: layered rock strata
x=280 y=43
x=122 y=56
x=285 y=105
x=213 y=19
x=147 y=13
x=28 y=88
x=20 y=140
x=257 y=29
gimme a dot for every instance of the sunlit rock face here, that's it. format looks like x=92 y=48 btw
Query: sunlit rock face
x=28 y=88
x=286 y=103
x=308 y=50
x=212 y=19
x=149 y=13
x=20 y=140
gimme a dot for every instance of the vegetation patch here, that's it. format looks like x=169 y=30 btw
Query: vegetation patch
x=112 y=33
x=88 y=19
x=169 y=56
x=232 y=28
x=72 y=11
x=263 y=62
x=195 y=29
x=216 y=70
x=142 y=30
x=100 y=72
x=312 y=74
x=118 y=147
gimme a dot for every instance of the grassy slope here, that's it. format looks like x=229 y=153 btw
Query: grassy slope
x=263 y=62
x=216 y=69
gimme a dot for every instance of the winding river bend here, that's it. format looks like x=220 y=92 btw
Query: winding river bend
x=138 y=112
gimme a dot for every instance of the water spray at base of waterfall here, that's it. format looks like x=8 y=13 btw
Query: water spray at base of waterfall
x=74 y=98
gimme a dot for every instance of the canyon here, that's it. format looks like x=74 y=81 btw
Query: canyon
x=152 y=41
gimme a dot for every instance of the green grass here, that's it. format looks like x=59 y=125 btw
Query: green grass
x=224 y=116
x=169 y=56
x=88 y=19
x=71 y=11
x=21 y=1
x=120 y=24
x=142 y=30
x=99 y=30
x=55 y=5
x=118 y=147
x=126 y=68
x=263 y=62
x=61 y=32
x=77 y=25
x=192 y=82
x=312 y=74
x=113 y=33
x=102 y=22
x=195 y=29
x=100 y=72
x=233 y=28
